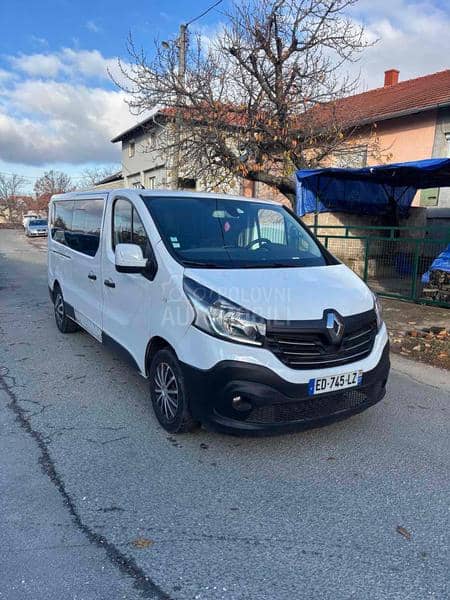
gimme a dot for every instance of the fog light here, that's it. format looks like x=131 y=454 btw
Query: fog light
x=239 y=403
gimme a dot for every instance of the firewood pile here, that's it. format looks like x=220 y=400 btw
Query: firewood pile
x=438 y=287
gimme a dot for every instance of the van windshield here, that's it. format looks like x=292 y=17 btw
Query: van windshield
x=38 y=222
x=226 y=233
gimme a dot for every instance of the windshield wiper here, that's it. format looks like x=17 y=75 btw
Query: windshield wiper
x=194 y=263
x=267 y=265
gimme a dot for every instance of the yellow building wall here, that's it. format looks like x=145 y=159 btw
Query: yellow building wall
x=406 y=138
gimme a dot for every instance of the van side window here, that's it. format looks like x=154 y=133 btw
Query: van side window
x=62 y=221
x=86 y=226
x=128 y=227
x=122 y=232
x=271 y=226
x=140 y=236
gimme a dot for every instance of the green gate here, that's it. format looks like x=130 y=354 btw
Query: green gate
x=391 y=260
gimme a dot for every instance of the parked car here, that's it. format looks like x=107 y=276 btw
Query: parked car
x=236 y=314
x=36 y=227
x=29 y=217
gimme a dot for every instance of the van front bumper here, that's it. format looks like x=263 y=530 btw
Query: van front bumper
x=268 y=403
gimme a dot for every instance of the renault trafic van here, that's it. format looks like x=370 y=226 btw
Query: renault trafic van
x=235 y=313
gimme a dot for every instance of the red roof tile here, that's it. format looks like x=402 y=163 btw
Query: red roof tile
x=406 y=97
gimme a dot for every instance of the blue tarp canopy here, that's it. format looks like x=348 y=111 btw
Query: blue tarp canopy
x=380 y=190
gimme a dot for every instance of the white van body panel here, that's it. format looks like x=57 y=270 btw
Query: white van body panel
x=195 y=350
x=137 y=310
x=290 y=293
x=28 y=217
x=73 y=271
x=127 y=306
x=130 y=310
x=59 y=264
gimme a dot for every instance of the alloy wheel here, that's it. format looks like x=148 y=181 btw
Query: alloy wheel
x=59 y=308
x=166 y=390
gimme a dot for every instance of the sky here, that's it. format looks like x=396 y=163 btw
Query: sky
x=59 y=108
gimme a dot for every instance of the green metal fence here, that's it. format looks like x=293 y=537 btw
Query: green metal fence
x=391 y=260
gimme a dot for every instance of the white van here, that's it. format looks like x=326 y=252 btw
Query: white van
x=30 y=216
x=240 y=319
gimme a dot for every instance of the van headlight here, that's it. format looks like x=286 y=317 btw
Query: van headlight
x=221 y=317
x=378 y=311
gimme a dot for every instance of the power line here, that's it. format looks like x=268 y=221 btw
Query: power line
x=34 y=177
x=205 y=12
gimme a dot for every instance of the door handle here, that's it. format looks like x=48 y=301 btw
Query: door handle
x=109 y=283
x=92 y=276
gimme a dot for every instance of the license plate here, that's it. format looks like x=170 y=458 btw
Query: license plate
x=333 y=383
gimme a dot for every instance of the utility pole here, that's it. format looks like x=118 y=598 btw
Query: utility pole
x=182 y=43
x=182 y=46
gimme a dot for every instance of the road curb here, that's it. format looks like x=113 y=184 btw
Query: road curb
x=421 y=372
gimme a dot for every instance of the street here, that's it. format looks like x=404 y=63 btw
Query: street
x=97 y=501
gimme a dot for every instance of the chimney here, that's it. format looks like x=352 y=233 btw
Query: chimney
x=391 y=77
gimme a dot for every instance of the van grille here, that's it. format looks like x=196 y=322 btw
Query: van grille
x=306 y=345
x=311 y=408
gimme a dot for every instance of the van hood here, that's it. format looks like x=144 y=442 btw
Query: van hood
x=291 y=293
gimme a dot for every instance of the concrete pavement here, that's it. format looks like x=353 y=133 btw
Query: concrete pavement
x=97 y=501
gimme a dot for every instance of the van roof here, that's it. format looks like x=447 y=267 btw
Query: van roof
x=86 y=194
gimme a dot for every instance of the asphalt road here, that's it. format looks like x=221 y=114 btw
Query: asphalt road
x=98 y=502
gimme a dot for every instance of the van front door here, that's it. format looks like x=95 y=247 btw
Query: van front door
x=126 y=296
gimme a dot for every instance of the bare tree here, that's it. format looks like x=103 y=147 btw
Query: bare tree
x=51 y=182
x=11 y=187
x=259 y=101
x=91 y=176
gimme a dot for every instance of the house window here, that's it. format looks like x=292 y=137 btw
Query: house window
x=186 y=183
x=131 y=149
x=447 y=145
x=248 y=188
x=150 y=181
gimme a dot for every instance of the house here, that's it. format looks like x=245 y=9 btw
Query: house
x=111 y=182
x=409 y=119
x=13 y=208
x=149 y=158
x=142 y=165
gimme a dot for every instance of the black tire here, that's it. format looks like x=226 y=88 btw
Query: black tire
x=169 y=395
x=63 y=323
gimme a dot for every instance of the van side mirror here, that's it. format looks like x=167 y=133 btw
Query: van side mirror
x=129 y=259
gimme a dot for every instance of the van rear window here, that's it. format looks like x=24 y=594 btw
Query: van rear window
x=77 y=224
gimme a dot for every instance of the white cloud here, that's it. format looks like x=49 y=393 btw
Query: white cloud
x=91 y=26
x=66 y=124
x=5 y=75
x=38 y=65
x=413 y=37
x=38 y=41
x=67 y=62
x=59 y=107
x=45 y=120
x=88 y=63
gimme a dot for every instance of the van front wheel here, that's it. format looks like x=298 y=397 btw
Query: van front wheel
x=168 y=393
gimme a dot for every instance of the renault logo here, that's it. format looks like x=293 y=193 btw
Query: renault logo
x=335 y=327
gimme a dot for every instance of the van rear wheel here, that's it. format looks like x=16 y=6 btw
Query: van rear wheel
x=64 y=324
x=168 y=393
